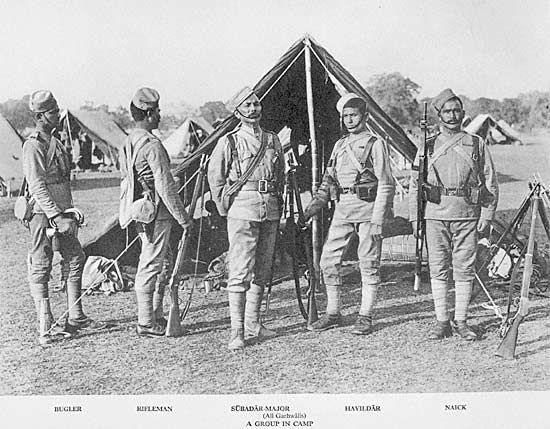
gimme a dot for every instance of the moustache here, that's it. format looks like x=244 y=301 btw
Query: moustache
x=255 y=115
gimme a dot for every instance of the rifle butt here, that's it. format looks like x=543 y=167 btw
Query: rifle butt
x=416 y=286
x=507 y=347
x=312 y=315
x=173 y=327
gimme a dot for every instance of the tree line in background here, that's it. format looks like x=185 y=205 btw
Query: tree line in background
x=396 y=94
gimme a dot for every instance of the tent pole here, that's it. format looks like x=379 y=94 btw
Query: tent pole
x=316 y=224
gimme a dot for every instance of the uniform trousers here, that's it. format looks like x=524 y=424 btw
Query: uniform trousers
x=155 y=241
x=251 y=250
x=452 y=242
x=338 y=238
x=40 y=263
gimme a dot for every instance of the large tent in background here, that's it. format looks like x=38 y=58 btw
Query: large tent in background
x=105 y=133
x=11 y=166
x=487 y=127
x=299 y=92
x=192 y=128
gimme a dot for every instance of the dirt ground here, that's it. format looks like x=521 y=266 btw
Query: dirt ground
x=396 y=358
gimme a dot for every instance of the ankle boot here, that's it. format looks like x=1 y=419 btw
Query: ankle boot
x=465 y=331
x=441 y=330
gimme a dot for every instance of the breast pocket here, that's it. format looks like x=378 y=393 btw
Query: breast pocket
x=245 y=158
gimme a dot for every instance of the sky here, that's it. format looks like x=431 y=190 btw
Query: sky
x=199 y=51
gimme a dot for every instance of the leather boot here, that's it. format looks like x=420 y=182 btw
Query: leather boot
x=253 y=328
x=236 y=312
x=465 y=331
x=236 y=340
x=326 y=321
x=363 y=325
x=441 y=330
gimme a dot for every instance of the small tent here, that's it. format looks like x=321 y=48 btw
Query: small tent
x=193 y=130
x=105 y=133
x=11 y=166
x=510 y=132
x=487 y=127
x=299 y=92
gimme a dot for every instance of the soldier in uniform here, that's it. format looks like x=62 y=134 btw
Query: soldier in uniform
x=246 y=173
x=47 y=169
x=360 y=173
x=145 y=162
x=462 y=193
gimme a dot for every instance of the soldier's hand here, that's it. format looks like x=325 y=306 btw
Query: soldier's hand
x=375 y=231
x=415 y=229
x=302 y=222
x=187 y=226
x=66 y=226
x=483 y=224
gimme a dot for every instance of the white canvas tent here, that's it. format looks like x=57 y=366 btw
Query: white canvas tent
x=192 y=128
x=485 y=126
x=105 y=133
x=11 y=167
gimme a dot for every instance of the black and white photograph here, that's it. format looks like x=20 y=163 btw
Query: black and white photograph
x=247 y=214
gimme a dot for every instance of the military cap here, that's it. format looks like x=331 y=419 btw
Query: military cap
x=347 y=98
x=42 y=101
x=146 y=98
x=444 y=96
x=239 y=98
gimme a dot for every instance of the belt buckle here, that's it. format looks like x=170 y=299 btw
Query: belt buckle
x=262 y=186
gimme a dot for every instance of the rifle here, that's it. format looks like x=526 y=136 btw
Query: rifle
x=294 y=193
x=507 y=347
x=173 y=327
x=421 y=201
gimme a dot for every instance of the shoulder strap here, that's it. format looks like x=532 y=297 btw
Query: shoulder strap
x=51 y=152
x=361 y=165
x=251 y=167
x=443 y=149
x=472 y=163
x=368 y=150
x=234 y=154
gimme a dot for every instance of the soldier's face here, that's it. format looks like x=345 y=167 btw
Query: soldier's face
x=353 y=119
x=51 y=118
x=154 y=118
x=451 y=115
x=250 y=111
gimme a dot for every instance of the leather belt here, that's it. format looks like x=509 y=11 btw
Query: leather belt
x=347 y=190
x=455 y=192
x=261 y=186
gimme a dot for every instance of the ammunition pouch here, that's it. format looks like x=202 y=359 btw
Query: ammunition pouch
x=366 y=191
x=431 y=193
